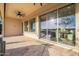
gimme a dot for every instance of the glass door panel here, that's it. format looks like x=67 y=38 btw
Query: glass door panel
x=52 y=25
x=26 y=26
x=32 y=25
x=66 y=24
x=59 y=25
x=43 y=29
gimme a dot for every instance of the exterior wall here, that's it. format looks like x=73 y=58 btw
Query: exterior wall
x=13 y=27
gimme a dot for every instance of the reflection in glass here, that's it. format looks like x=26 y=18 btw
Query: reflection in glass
x=66 y=24
x=32 y=25
x=52 y=25
x=26 y=26
x=59 y=25
x=43 y=27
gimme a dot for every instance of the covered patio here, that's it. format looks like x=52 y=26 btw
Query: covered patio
x=40 y=29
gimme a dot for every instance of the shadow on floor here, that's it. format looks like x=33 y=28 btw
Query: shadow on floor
x=33 y=50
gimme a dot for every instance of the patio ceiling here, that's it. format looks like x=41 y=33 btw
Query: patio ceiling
x=26 y=8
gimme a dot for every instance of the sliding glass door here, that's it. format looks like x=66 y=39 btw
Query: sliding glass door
x=32 y=25
x=59 y=25
x=48 y=26
x=66 y=24
x=52 y=26
x=43 y=29
x=26 y=26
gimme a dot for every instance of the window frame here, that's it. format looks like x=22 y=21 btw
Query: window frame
x=57 y=21
x=73 y=44
x=32 y=22
x=26 y=26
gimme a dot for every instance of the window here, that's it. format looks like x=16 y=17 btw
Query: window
x=59 y=25
x=26 y=26
x=48 y=26
x=52 y=25
x=0 y=26
x=66 y=24
x=32 y=25
x=43 y=26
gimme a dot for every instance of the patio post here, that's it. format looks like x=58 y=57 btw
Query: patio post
x=37 y=26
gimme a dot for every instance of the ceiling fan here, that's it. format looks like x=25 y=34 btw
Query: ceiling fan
x=20 y=13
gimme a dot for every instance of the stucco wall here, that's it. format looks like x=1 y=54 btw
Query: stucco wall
x=13 y=27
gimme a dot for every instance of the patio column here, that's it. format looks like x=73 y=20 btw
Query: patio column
x=37 y=26
x=77 y=25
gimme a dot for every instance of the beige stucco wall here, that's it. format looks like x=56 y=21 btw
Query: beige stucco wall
x=13 y=27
